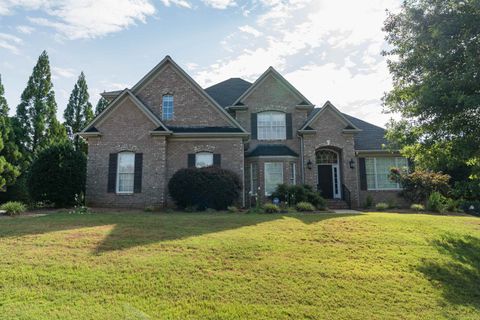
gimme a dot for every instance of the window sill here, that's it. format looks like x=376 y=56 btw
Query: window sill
x=124 y=193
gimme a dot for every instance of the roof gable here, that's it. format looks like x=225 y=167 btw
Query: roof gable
x=126 y=94
x=226 y=92
x=168 y=61
x=274 y=73
x=329 y=106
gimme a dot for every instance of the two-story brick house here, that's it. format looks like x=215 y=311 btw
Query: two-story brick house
x=267 y=132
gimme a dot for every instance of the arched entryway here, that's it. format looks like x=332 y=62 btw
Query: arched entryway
x=328 y=166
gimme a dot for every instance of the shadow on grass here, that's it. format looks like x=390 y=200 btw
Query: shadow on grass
x=131 y=229
x=460 y=278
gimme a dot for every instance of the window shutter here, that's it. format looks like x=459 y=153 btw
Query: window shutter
x=253 y=125
x=191 y=160
x=137 y=177
x=217 y=159
x=112 y=172
x=289 y=127
x=363 y=174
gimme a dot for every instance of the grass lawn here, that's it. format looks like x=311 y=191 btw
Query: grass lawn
x=239 y=266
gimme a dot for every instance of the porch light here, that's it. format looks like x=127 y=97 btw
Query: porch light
x=309 y=164
x=352 y=164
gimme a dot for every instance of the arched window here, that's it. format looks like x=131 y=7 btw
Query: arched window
x=327 y=157
x=271 y=126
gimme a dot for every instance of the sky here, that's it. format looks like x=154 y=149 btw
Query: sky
x=328 y=49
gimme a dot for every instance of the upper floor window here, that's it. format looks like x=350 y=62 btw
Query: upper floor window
x=378 y=172
x=167 y=107
x=203 y=159
x=125 y=172
x=271 y=126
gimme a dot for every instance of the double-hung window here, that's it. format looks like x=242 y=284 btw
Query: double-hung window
x=203 y=159
x=167 y=107
x=125 y=172
x=273 y=176
x=271 y=126
x=378 y=172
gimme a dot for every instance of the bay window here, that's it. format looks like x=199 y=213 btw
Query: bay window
x=273 y=176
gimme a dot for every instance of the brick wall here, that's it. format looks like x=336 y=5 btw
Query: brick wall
x=190 y=107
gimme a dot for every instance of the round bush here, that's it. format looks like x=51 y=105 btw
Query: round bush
x=381 y=206
x=305 y=206
x=417 y=207
x=271 y=208
x=58 y=175
x=204 y=188
x=13 y=208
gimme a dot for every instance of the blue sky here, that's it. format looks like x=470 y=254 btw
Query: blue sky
x=328 y=49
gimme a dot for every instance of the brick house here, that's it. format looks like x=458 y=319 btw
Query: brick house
x=267 y=132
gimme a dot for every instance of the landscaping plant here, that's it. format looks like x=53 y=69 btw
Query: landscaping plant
x=305 y=206
x=271 y=208
x=13 y=208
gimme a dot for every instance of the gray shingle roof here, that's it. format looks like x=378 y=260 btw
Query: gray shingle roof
x=271 y=150
x=371 y=137
x=226 y=92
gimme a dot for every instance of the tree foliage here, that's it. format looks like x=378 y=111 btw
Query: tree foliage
x=101 y=105
x=58 y=175
x=417 y=186
x=79 y=111
x=38 y=126
x=9 y=154
x=435 y=64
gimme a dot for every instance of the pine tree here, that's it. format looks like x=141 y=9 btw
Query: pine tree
x=79 y=111
x=36 y=113
x=9 y=154
x=101 y=105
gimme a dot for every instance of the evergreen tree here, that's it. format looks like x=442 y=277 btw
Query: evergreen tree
x=101 y=105
x=36 y=113
x=79 y=111
x=9 y=154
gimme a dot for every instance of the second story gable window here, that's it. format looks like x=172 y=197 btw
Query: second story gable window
x=167 y=107
x=271 y=125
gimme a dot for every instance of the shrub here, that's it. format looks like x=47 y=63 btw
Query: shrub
x=419 y=185
x=305 y=206
x=293 y=194
x=417 y=207
x=391 y=203
x=270 y=208
x=13 y=208
x=232 y=209
x=58 y=175
x=204 y=188
x=471 y=207
x=381 y=206
x=368 y=202
x=452 y=205
x=437 y=202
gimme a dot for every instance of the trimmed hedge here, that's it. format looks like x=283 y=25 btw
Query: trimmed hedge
x=204 y=188
x=58 y=175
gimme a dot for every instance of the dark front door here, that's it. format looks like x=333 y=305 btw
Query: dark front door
x=325 y=181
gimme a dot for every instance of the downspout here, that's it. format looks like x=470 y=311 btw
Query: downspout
x=302 y=167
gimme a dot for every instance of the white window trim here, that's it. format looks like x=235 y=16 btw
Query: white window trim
x=118 y=174
x=376 y=177
x=284 y=137
x=265 y=175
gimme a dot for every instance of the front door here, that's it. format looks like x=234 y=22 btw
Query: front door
x=325 y=181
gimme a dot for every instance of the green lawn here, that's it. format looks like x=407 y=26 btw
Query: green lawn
x=239 y=266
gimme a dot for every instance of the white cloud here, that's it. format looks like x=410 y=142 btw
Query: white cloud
x=179 y=3
x=59 y=72
x=330 y=50
x=84 y=19
x=10 y=42
x=250 y=30
x=220 y=4
x=25 y=29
